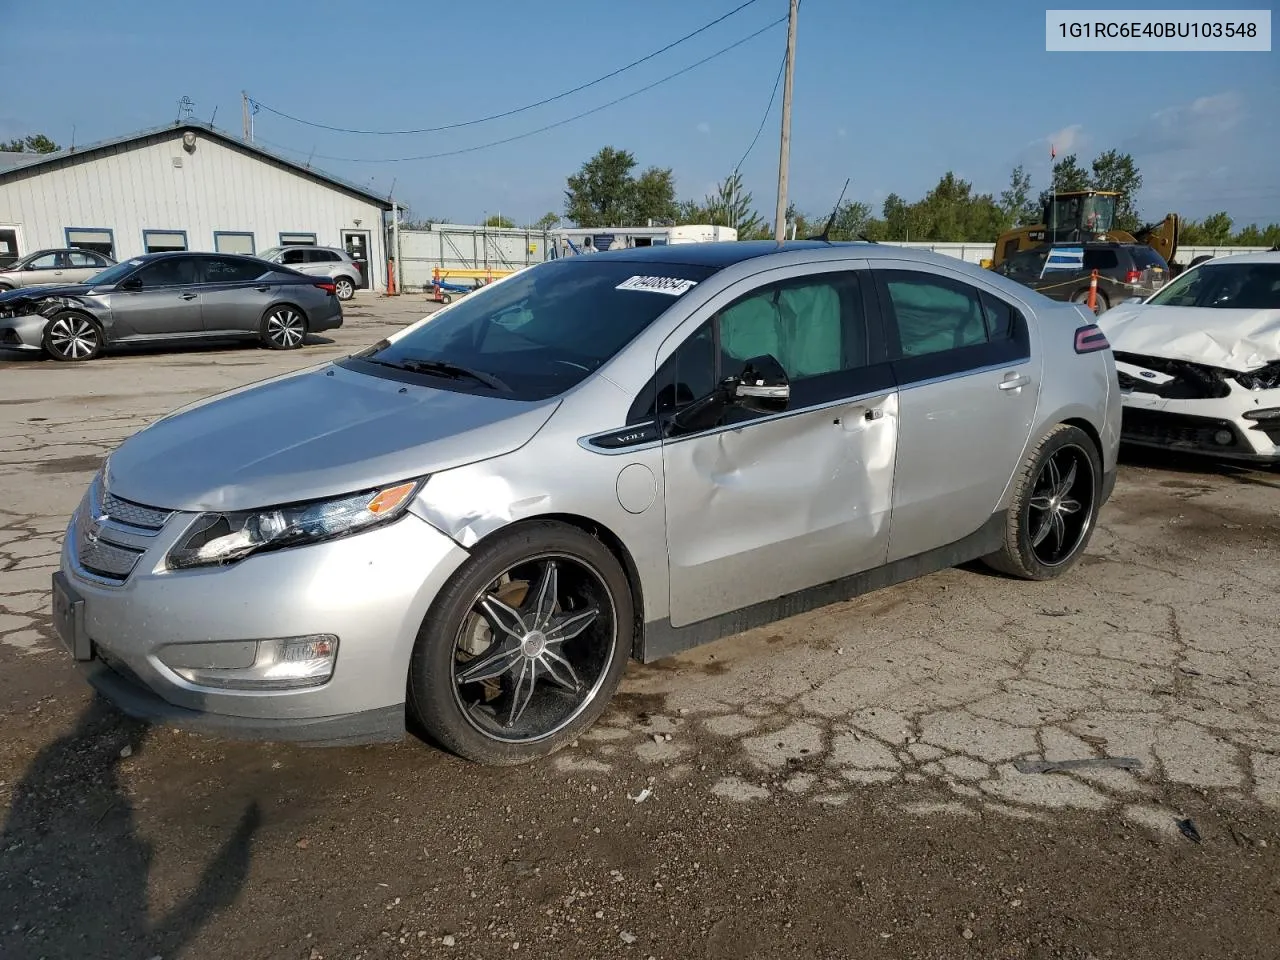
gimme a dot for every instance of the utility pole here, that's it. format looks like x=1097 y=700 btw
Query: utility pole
x=244 y=115
x=779 y=221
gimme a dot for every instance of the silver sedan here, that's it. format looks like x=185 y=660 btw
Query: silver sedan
x=169 y=297
x=477 y=522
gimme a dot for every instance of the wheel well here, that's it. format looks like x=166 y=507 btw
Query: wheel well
x=285 y=303
x=615 y=546
x=1088 y=428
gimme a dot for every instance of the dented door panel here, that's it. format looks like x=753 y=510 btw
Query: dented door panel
x=762 y=509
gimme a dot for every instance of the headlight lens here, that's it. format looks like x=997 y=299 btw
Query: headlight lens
x=217 y=538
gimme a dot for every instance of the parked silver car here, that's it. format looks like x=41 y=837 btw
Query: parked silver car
x=329 y=262
x=170 y=296
x=53 y=267
x=593 y=459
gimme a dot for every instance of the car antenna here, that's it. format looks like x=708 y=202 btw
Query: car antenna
x=825 y=235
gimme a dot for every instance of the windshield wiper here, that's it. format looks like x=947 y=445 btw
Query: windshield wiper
x=443 y=368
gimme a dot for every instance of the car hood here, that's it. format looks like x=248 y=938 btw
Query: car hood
x=319 y=433
x=1241 y=340
x=65 y=290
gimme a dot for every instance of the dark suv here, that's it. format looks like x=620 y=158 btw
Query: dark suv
x=1062 y=271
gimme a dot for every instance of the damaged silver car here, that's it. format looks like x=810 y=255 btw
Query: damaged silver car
x=474 y=524
x=1199 y=362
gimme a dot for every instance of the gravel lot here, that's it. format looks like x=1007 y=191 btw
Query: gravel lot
x=841 y=784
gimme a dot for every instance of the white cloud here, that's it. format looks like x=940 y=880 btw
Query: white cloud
x=842 y=133
x=1188 y=125
x=1067 y=139
x=704 y=127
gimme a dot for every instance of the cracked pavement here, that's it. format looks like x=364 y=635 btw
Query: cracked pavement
x=903 y=711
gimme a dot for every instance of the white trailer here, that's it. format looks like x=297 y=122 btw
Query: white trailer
x=572 y=241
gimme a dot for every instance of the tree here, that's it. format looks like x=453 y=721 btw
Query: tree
x=1068 y=176
x=599 y=193
x=33 y=143
x=1015 y=201
x=1117 y=171
x=545 y=222
x=852 y=218
x=652 y=196
x=729 y=206
x=500 y=222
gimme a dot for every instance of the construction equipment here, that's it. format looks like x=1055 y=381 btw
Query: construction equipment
x=1081 y=216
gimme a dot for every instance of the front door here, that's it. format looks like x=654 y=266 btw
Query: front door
x=167 y=302
x=762 y=505
x=9 y=251
x=968 y=392
x=356 y=243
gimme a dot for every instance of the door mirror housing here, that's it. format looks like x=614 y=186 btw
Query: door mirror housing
x=131 y=283
x=763 y=386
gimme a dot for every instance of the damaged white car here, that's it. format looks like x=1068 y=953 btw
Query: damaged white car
x=1199 y=362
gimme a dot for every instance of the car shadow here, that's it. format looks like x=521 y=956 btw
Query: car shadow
x=1154 y=458
x=75 y=868
x=172 y=348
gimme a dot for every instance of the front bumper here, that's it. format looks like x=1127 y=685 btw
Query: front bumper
x=24 y=333
x=371 y=590
x=1216 y=426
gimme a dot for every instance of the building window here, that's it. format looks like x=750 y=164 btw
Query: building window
x=297 y=239
x=163 y=241
x=233 y=241
x=86 y=238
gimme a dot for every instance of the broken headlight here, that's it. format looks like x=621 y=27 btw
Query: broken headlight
x=217 y=538
x=1264 y=378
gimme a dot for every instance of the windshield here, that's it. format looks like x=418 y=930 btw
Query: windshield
x=1224 y=286
x=544 y=330
x=270 y=252
x=1095 y=214
x=114 y=274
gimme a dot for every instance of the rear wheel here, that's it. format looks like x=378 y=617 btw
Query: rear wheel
x=344 y=288
x=524 y=647
x=1054 y=508
x=72 y=336
x=284 y=328
x=1101 y=302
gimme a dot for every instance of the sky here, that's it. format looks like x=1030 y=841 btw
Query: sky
x=889 y=94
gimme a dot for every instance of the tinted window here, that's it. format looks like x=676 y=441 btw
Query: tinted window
x=545 y=329
x=1028 y=263
x=1002 y=318
x=294 y=256
x=1225 y=286
x=1103 y=259
x=78 y=258
x=168 y=272
x=47 y=261
x=322 y=256
x=934 y=313
x=229 y=270
x=1144 y=256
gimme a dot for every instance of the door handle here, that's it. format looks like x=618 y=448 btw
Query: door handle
x=186 y=296
x=1013 y=381
x=262 y=289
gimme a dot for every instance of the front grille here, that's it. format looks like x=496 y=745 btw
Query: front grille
x=1191 y=381
x=1180 y=430
x=111 y=534
x=135 y=515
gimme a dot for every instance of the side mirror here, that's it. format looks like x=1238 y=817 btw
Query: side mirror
x=762 y=386
x=131 y=283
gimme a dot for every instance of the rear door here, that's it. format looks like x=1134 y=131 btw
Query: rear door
x=968 y=381
x=234 y=293
x=167 y=303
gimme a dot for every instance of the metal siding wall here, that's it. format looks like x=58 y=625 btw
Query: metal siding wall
x=461 y=246
x=136 y=188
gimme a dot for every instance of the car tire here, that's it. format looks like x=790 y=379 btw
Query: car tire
x=571 y=679
x=5 y=288
x=345 y=288
x=284 y=327
x=72 y=337
x=1082 y=297
x=1054 y=509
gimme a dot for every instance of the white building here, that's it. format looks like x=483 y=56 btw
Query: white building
x=185 y=187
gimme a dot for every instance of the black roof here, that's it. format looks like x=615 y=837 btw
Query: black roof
x=716 y=254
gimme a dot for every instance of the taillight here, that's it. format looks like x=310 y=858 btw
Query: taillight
x=1133 y=276
x=1091 y=339
x=327 y=286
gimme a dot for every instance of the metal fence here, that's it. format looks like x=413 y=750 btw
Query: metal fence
x=977 y=252
x=466 y=247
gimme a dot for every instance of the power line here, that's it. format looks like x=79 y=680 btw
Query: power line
x=542 y=129
x=513 y=112
x=767 y=110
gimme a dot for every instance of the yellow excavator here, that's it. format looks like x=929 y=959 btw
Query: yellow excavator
x=1081 y=216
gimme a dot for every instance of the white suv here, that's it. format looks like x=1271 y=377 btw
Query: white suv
x=329 y=262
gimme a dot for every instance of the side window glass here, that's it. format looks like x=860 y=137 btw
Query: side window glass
x=48 y=262
x=1002 y=318
x=226 y=270
x=294 y=257
x=934 y=313
x=173 y=271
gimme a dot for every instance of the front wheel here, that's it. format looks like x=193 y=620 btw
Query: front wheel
x=71 y=336
x=283 y=328
x=524 y=646
x=1054 y=508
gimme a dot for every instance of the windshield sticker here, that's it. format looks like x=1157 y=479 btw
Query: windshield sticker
x=672 y=286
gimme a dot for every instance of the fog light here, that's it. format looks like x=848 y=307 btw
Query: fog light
x=1223 y=437
x=277 y=665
